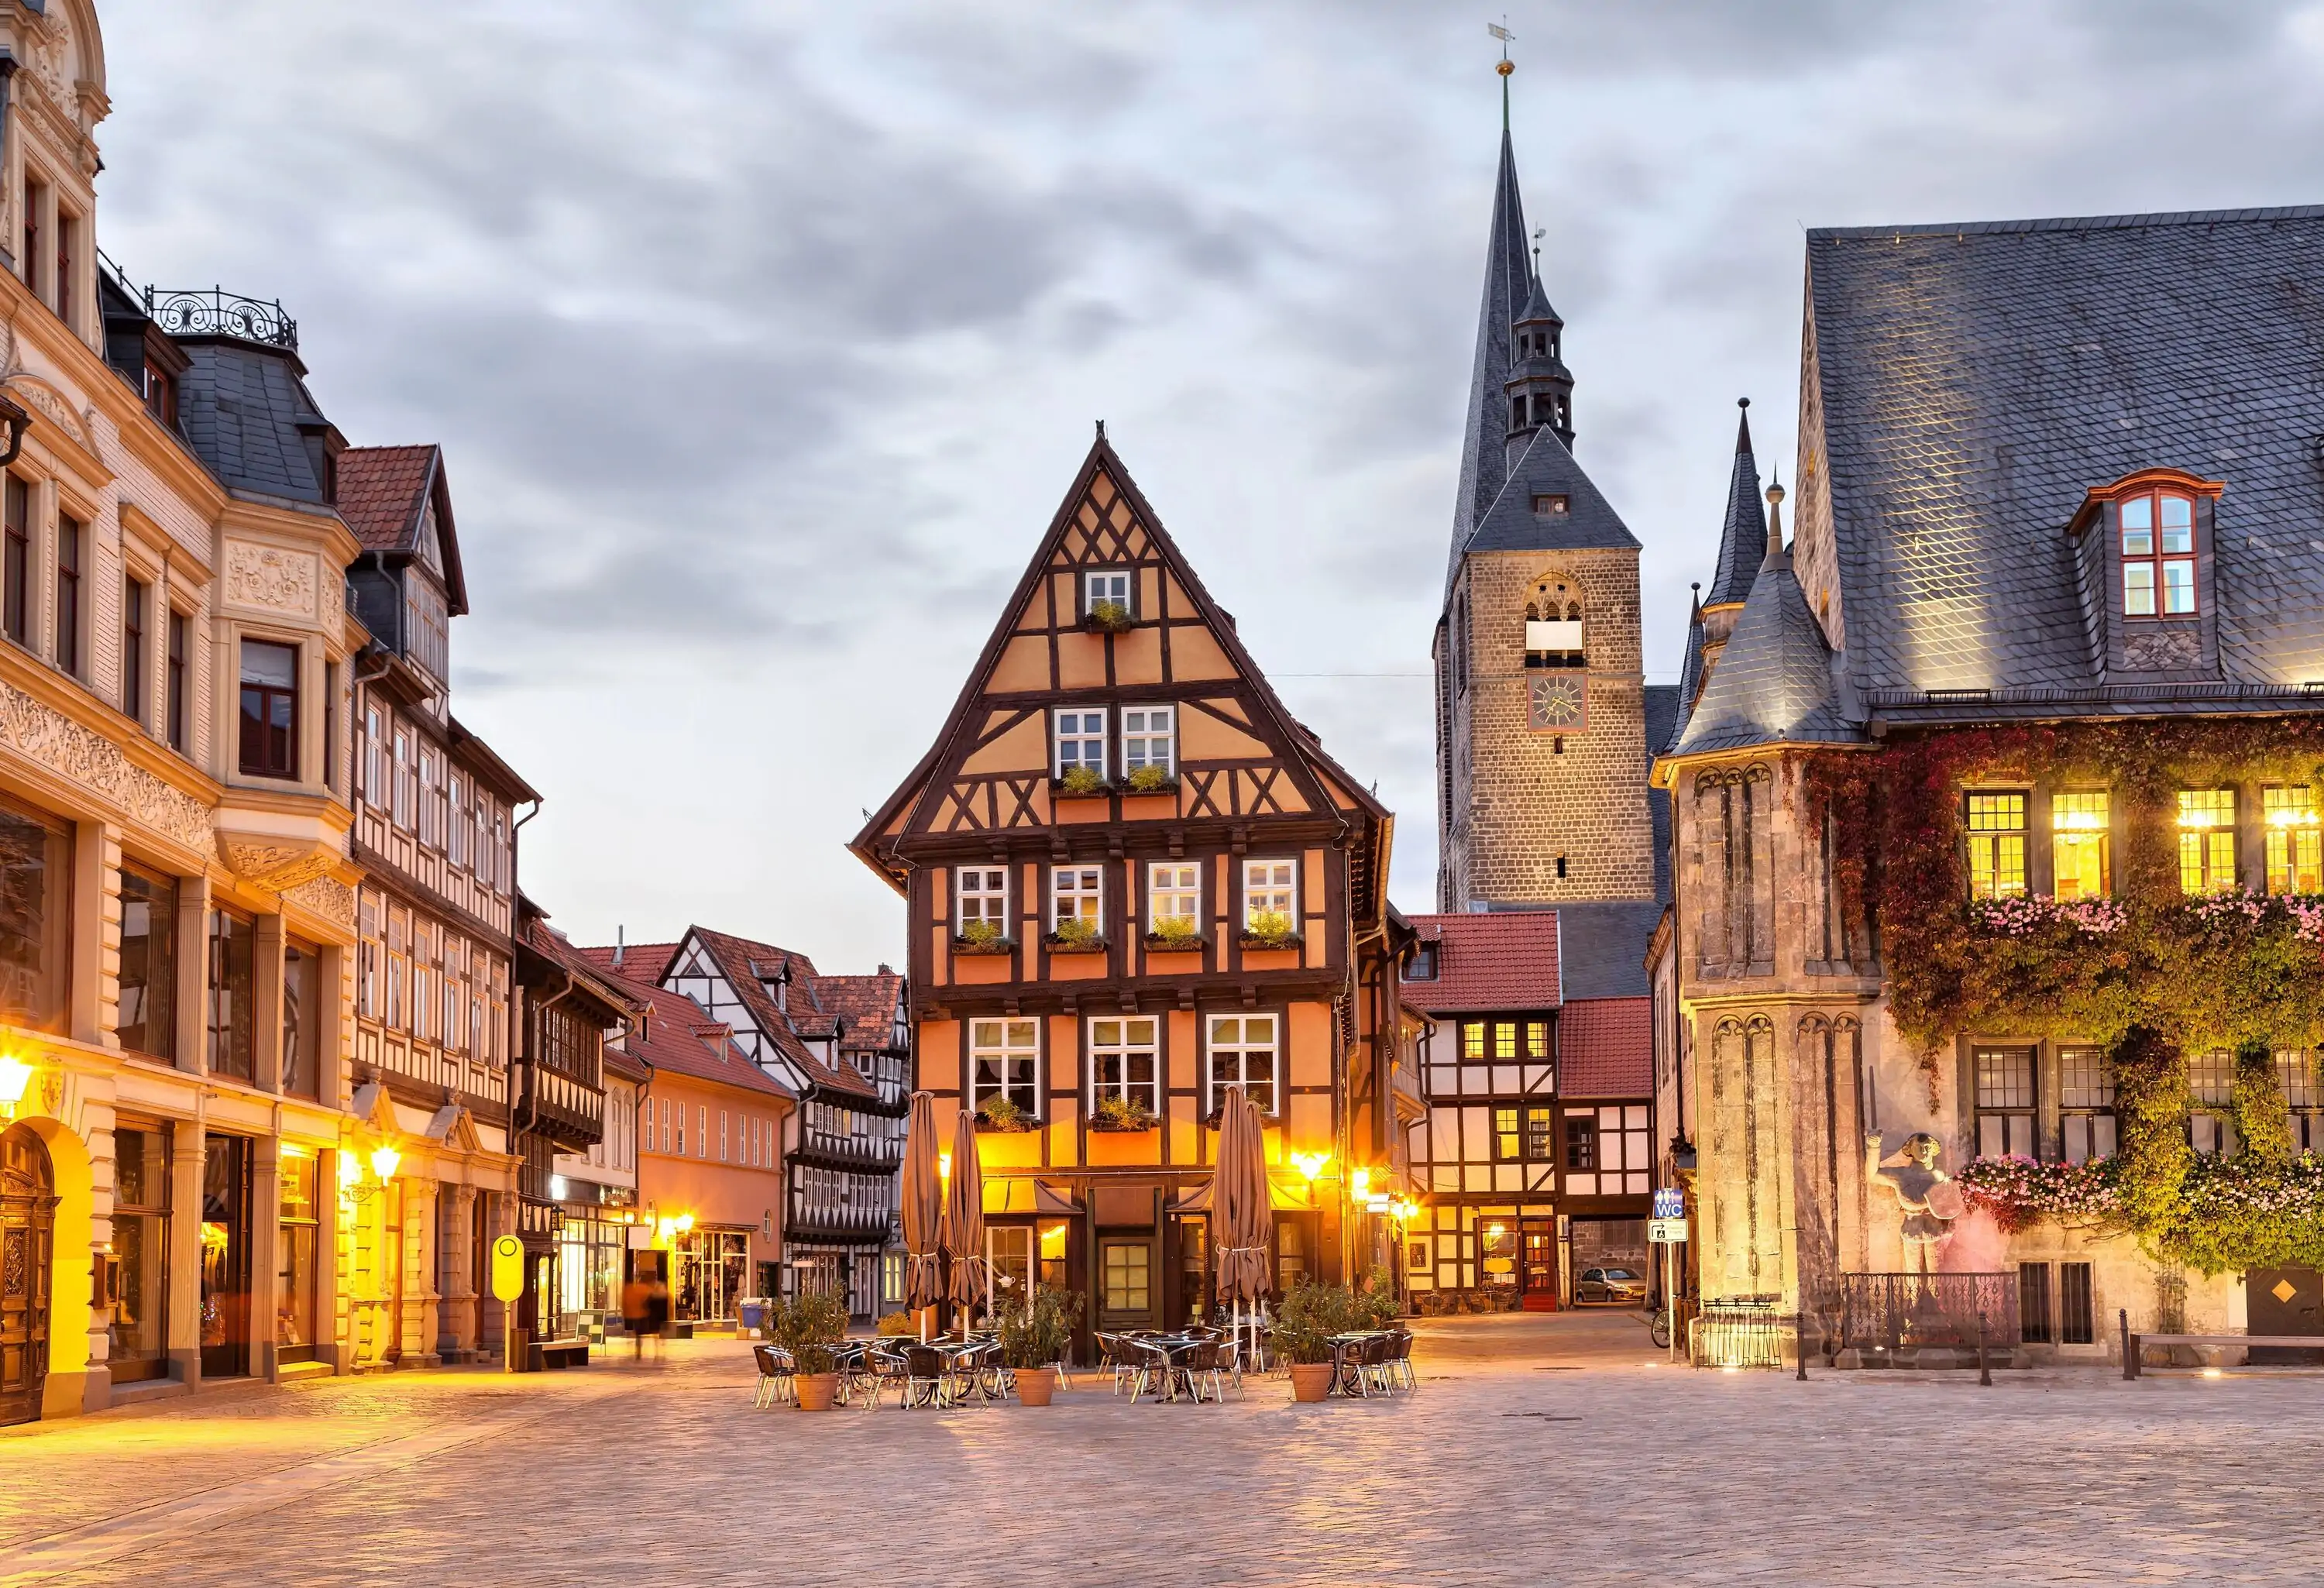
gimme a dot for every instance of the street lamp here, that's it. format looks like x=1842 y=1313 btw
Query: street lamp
x=14 y=421
x=383 y=1160
x=15 y=1075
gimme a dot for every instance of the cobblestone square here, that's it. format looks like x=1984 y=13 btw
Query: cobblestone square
x=1537 y=1449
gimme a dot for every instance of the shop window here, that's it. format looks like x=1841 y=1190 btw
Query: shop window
x=1290 y=1252
x=35 y=917
x=2080 y=850
x=2295 y=839
x=1997 y=846
x=147 y=1021
x=294 y=1315
x=2206 y=840
x=1009 y=1248
x=2005 y=1102
x=138 y=1331
x=232 y=1033
x=2086 y=1104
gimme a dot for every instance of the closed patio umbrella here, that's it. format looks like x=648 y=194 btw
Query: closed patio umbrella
x=963 y=1220
x=922 y=1194
x=1240 y=1211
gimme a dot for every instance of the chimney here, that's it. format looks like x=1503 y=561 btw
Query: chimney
x=617 y=947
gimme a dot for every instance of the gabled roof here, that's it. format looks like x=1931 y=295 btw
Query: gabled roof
x=1975 y=381
x=1506 y=960
x=384 y=492
x=560 y=950
x=1742 y=536
x=1774 y=682
x=675 y=1036
x=866 y=1005
x=743 y=962
x=1548 y=469
x=641 y=962
x=1304 y=756
x=1509 y=281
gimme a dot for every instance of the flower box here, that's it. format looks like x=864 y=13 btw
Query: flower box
x=1124 y=1124
x=1164 y=943
x=1080 y=783
x=1150 y=780
x=983 y=945
x=1023 y=1124
x=1265 y=940
x=1063 y=945
x=1108 y=617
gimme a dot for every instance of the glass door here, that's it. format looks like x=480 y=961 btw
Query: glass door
x=1540 y=1266
x=1010 y=1249
x=1125 y=1273
x=294 y=1316
x=225 y=1257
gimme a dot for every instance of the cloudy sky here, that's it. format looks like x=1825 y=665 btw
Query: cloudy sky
x=763 y=338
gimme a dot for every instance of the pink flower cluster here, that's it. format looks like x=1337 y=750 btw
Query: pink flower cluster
x=2025 y=915
x=2220 y=907
x=2306 y=910
x=2219 y=1186
x=2019 y=1192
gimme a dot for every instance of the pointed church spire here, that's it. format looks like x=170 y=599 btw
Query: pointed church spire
x=1742 y=536
x=1509 y=283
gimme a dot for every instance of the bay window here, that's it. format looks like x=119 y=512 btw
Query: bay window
x=270 y=709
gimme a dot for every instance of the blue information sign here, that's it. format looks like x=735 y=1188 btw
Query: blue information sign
x=1670 y=1202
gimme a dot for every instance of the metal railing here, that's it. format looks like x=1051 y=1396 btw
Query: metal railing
x=1896 y=1312
x=1741 y=1332
x=215 y=313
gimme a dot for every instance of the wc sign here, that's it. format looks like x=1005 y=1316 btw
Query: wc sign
x=1670 y=1202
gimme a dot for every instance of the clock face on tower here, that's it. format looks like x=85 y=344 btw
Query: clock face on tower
x=1556 y=703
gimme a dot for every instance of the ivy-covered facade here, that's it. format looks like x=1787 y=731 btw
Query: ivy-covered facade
x=1997 y=800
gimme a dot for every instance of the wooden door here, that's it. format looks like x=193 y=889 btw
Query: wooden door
x=2285 y=1301
x=1539 y=1266
x=28 y=1208
x=1128 y=1282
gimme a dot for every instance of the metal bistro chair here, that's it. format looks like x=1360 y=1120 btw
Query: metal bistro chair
x=774 y=1376
x=1153 y=1366
x=1204 y=1364
x=1119 y=1360
x=874 y=1375
x=928 y=1379
x=1400 y=1358
x=1373 y=1371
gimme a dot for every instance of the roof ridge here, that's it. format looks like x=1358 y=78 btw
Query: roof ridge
x=2084 y=223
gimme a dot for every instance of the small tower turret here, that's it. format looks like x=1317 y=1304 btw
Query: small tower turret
x=1540 y=388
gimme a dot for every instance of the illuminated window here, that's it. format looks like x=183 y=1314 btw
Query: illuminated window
x=2206 y=840
x=2304 y=1093
x=2086 y=1104
x=2005 y=1102
x=2158 y=556
x=1505 y=1039
x=1242 y=1054
x=1005 y=1061
x=1537 y=1038
x=1123 y=1062
x=1472 y=1038
x=2078 y=850
x=1173 y=896
x=2295 y=840
x=1997 y=846
x=1270 y=899
x=1509 y=1142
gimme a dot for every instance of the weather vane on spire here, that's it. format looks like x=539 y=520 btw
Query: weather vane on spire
x=1500 y=30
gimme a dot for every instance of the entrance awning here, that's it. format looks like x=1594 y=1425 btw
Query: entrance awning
x=1280 y=1196
x=1020 y=1195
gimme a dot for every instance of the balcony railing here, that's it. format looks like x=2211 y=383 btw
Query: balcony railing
x=215 y=313
x=1897 y=1312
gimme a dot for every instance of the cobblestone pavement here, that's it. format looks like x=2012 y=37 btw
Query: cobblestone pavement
x=1538 y=1450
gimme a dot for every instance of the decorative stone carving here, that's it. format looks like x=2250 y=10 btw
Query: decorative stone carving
x=88 y=758
x=55 y=407
x=1926 y=1195
x=326 y=896
x=270 y=577
x=275 y=866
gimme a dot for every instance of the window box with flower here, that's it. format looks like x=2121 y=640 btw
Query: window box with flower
x=1175 y=935
x=981 y=937
x=1108 y=617
x=1077 y=935
x=1116 y=1113
x=1268 y=928
x=1079 y=783
x=1150 y=780
x=1001 y=1116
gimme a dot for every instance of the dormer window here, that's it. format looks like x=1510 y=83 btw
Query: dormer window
x=1552 y=506
x=1422 y=967
x=2158 y=555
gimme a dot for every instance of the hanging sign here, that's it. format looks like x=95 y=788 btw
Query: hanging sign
x=1670 y=1202
x=508 y=1267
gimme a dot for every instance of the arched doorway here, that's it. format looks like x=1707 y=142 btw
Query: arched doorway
x=28 y=1213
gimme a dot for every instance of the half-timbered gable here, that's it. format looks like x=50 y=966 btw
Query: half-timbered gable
x=1134 y=880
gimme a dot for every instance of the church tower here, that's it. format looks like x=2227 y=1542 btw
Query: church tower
x=1542 y=740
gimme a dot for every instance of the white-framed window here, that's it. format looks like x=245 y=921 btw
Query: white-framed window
x=456 y=828
x=1243 y=1052
x=405 y=801
x=1004 y=1060
x=374 y=759
x=1081 y=741
x=1076 y=893
x=1270 y=896
x=1106 y=586
x=983 y=896
x=1149 y=738
x=1174 y=894
x=1125 y=1060
x=431 y=831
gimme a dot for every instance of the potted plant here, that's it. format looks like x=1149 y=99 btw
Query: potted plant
x=1111 y=617
x=1377 y=1304
x=1033 y=1339
x=808 y=1326
x=1310 y=1314
x=1175 y=934
x=981 y=937
x=1080 y=780
x=1269 y=928
x=1077 y=935
x=1118 y=1113
x=1150 y=780
x=997 y=1112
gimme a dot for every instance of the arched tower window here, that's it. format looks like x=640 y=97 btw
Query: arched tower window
x=1556 y=635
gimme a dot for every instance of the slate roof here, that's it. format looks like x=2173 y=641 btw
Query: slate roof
x=1509 y=281
x=1662 y=703
x=1606 y=1048
x=1742 y=536
x=1505 y=960
x=1602 y=947
x=1690 y=678
x=1775 y=682
x=1548 y=469
x=241 y=408
x=1976 y=380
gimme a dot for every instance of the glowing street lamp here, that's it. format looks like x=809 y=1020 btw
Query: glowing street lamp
x=383 y=1160
x=1311 y=1164
x=15 y=1077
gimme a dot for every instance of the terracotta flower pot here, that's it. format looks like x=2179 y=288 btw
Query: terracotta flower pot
x=1310 y=1380
x=1036 y=1385
x=816 y=1390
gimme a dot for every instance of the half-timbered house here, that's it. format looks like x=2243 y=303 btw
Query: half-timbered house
x=1133 y=881
x=1535 y=1163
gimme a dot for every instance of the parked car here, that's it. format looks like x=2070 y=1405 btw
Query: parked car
x=1610 y=1285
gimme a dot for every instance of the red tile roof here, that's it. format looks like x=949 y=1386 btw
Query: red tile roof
x=866 y=1004
x=555 y=946
x=1606 y=1048
x=379 y=493
x=676 y=1037
x=1500 y=960
x=641 y=962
